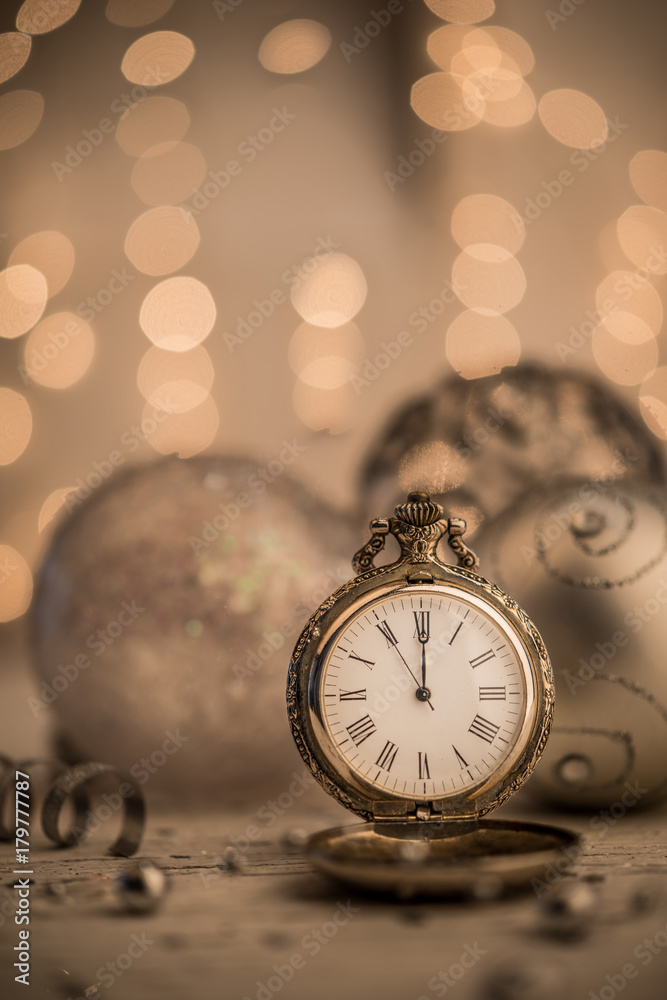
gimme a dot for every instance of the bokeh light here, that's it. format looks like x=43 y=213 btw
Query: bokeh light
x=162 y=240
x=176 y=381
x=513 y=111
x=184 y=434
x=15 y=584
x=20 y=113
x=151 y=122
x=51 y=507
x=15 y=425
x=136 y=13
x=446 y=42
x=332 y=410
x=294 y=46
x=168 y=173
x=653 y=402
x=157 y=58
x=648 y=175
x=23 y=296
x=477 y=345
x=642 y=234
x=311 y=343
x=631 y=293
x=509 y=43
x=628 y=327
x=14 y=52
x=488 y=278
x=36 y=17
x=443 y=101
x=432 y=466
x=178 y=313
x=462 y=11
x=573 y=118
x=623 y=363
x=486 y=218
x=59 y=350
x=333 y=293
x=51 y=253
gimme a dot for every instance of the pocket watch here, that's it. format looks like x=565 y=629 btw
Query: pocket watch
x=420 y=696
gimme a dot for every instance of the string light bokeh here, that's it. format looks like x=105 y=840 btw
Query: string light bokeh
x=218 y=227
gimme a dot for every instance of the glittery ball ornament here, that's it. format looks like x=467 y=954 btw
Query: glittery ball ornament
x=588 y=563
x=477 y=445
x=164 y=617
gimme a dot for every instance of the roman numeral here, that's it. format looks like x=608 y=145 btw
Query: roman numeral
x=423 y=765
x=388 y=634
x=422 y=625
x=462 y=762
x=458 y=629
x=482 y=658
x=484 y=729
x=388 y=756
x=493 y=693
x=369 y=663
x=353 y=695
x=361 y=729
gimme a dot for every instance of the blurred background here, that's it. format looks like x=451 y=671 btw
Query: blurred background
x=261 y=229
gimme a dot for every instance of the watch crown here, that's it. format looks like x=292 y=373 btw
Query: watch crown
x=419 y=510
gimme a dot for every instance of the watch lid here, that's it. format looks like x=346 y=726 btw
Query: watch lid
x=439 y=859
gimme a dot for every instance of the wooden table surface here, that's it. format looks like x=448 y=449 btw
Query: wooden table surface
x=223 y=934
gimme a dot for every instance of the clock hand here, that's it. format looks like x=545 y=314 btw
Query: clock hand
x=423 y=630
x=423 y=693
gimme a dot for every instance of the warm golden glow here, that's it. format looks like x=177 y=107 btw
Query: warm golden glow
x=626 y=291
x=653 y=402
x=443 y=101
x=609 y=248
x=59 y=350
x=179 y=381
x=23 y=295
x=168 y=173
x=184 y=434
x=462 y=11
x=20 y=113
x=178 y=313
x=15 y=425
x=137 y=13
x=153 y=121
x=642 y=234
x=488 y=279
x=157 y=58
x=14 y=52
x=475 y=58
x=628 y=327
x=162 y=240
x=49 y=252
x=514 y=111
x=52 y=505
x=328 y=372
x=36 y=17
x=446 y=42
x=333 y=410
x=294 y=46
x=486 y=218
x=311 y=343
x=15 y=584
x=574 y=119
x=496 y=85
x=433 y=466
x=333 y=294
x=478 y=345
x=624 y=363
x=510 y=45
x=648 y=174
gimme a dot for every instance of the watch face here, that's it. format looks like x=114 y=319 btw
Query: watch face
x=425 y=693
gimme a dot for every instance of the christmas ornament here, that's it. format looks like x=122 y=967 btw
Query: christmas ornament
x=420 y=696
x=589 y=563
x=163 y=613
x=477 y=445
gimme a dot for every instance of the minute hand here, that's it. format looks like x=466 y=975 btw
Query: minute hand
x=420 y=687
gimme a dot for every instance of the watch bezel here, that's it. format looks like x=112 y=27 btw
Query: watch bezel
x=309 y=658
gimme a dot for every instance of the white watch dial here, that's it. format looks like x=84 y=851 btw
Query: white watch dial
x=424 y=693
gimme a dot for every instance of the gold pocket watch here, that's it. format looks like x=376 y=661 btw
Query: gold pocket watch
x=421 y=697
